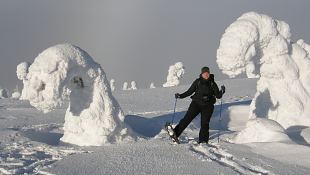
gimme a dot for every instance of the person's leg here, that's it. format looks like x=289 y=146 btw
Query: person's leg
x=191 y=113
x=206 y=114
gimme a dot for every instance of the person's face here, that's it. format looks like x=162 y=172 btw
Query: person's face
x=205 y=75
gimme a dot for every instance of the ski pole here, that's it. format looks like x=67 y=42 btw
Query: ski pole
x=220 y=119
x=175 y=105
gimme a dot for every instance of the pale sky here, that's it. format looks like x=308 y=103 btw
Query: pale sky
x=133 y=39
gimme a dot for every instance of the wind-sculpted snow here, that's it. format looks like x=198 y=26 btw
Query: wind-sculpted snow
x=175 y=73
x=66 y=72
x=261 y=47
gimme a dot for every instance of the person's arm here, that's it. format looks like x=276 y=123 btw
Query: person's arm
x=190 y=91
x=217 y=93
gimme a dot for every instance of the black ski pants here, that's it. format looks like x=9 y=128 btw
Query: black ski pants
x=194 y=109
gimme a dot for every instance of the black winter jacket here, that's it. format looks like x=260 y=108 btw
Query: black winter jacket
x=206 y=91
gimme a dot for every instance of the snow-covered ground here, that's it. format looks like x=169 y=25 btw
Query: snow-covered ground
x=30 y=140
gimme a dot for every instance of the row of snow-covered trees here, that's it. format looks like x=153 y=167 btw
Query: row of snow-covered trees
x=175 y=73
x=126 y=85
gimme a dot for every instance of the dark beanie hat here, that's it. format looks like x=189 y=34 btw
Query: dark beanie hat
x=205 y=69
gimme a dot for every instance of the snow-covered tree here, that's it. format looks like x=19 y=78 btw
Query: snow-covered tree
x=261 y=47
x=112 y=85
x=3 y=93
x=21 y=72
x=64 y=72
x=175 y=73
x=133 y=85
x=152 y=86
x=125 y=86
x=16 y=94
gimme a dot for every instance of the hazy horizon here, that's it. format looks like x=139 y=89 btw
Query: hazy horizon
x=133 y=40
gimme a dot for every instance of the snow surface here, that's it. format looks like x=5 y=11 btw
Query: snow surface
x=261 y=47
x=66 y=72
x=30 y=140
x=175 y=73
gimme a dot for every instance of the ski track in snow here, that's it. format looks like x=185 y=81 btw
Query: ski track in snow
x=26 y=157
x=220 y=155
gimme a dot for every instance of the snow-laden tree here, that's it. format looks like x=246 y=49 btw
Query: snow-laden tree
x=64 y=72
x=175 y=73
x=112 y=85
x=21 y=72
x=3 y=93
x=133 y=85
x=152 y=86
x=16 y=94
x=261 y=47
x=125 y=86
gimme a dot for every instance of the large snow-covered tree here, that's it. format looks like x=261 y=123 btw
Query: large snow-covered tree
x=64 y=72
x=261 y=47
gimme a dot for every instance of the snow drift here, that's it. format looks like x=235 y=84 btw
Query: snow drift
x=261 y=47
x=64 y=72
x=175 y=73
x=262 y=130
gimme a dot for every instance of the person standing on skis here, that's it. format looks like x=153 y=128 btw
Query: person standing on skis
x=205 y=93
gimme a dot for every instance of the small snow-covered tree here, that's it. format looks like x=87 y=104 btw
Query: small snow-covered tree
x=125 y=86
x=16 y=94
x=175 y=73
x=3 y=93
x=133 y=85
x=152 y=86
x=112 y=85
x=66 y=72
x=21 y=72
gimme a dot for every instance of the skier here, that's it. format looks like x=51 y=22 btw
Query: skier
x=206 y=91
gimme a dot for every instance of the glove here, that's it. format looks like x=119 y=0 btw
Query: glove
x=177 y=95
x=211 y=77
x=223 y=89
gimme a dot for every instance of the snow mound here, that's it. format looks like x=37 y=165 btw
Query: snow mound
x=260 y=46
x=175 y=73
x=261 y=130
x=66 y=72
